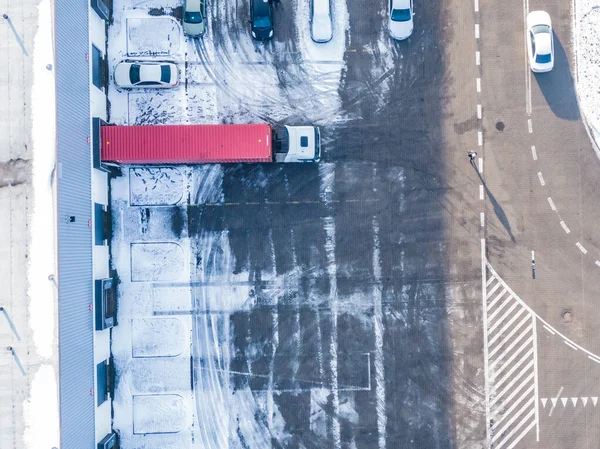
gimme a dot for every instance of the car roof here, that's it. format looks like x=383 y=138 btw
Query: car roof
x=543 y=44
x=192 y=5
x=321 y=6
x=400 y=4
x=261 y=7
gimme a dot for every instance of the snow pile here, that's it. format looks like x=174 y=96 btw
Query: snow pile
x=587 y=38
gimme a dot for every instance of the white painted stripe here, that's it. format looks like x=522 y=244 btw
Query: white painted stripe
x=581 y=248
x=523 y=357
x=515 y=391
x=574 y=401
x=535 y=380
x=497 y=298
x=544 y=400
x=478 y=84
x=490 y=280
x=508 y=337
x=525 y=406
x=584 y=399
x=598 y=263
x=486 y=371
x=569 y=345
x=593 y=358
x=476 y=5
x=533 y=153
x=529 y=126
x=521 y=435
x=542 y=182
x=500 y=320
x=564 y=401
x=480 y=165
x=507 y=413
x=532 y=255
x=479 y=138
x=507 y=325
x=480 y=192
x=482 y=218
x=491 y=292
x=594 y=400
x=510 y=347
x=551 y=203
x=554 y=400
x=479 y=112
x=499 y=309
x=476 y=31
x=549 y=330
x=513 y=380
x=564 y=226
x=477 y=58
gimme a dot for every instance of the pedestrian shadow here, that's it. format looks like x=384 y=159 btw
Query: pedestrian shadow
x=17 y=360
x=558 y=85
x=497 y=208
x=11 y=324
x=19 y=41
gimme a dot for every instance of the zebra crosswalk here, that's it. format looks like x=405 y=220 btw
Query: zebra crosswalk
x=511 y=364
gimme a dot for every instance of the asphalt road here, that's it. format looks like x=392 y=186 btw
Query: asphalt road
x=363 y=326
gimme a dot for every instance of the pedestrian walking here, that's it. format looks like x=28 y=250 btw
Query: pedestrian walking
x=472 y=156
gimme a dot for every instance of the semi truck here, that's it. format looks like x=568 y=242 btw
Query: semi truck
x=205 y=144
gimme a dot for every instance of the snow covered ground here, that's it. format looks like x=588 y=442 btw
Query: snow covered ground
x=587 y=39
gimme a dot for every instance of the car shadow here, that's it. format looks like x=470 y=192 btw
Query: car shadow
x=558 y=85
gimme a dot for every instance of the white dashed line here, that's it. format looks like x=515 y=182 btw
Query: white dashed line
x=476 y=5
x=479 y=138
x=580 y=246
x=529 y=126
x=479 y=112
x=542 y=182
x=569 y=345
x=478 y=84
x=480 y=165
x=551 y=203
x=533 y=153
x=564 y=226
x=598 y=263
x=593 y=358
x=476 y=31
x=549 y=330
x=477 y=58
x=482 y=218
x=480 y=192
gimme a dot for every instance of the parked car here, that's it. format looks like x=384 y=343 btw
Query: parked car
x=194 y=17
x=146 y=74
x=261 y=19
x=540 y=41
x=321 y=28
x=400 y=22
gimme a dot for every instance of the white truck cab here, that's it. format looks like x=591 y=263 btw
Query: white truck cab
x=297 y=144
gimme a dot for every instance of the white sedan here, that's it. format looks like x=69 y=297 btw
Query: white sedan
x=321 y=29
x=146 y=75
x=400 y=22
x=540 y=42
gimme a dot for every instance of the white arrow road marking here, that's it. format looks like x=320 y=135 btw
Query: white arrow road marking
x=544 y=400
x=574 y=401
x=584 y=400
x=564 y=401
x=595 y=400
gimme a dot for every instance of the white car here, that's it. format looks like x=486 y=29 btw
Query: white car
x=321 y=28
x=400 y=21
x=146 y=74
x=540 y=42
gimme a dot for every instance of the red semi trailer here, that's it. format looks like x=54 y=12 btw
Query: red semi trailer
x=201 y=144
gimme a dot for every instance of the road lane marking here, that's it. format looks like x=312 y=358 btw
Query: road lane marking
x=476 y=5
x=497 y=298
x=477 y=58
x=515 y=404
x=554 y=400
x=564 y=226
x=584 y=400
x=529 y=126
x=520 y=436
x=542 y=182
x=598 y=263
x=512 y=332
x=507 y=325
x=574 y=401
x=549 y=330
x=533 y=152
x=569 y=345
x=551 y=203
x=581 y=248
x=513 y=419
x=594 y=400
x=482 y=218
x=479 y=138
x=480 y=192
x=476 y=31
x=527 y=69
x=480 y=165
x=479 y=112
x=499 y=309
x=544 y=400
x=594 y=359
x=496 y=287
x=486 y=371
x=478 y=84
x=564 y=401
x=509 y=374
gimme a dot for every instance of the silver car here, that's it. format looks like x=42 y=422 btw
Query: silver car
x=321 y=29
x=146 y=75
x=194 y=17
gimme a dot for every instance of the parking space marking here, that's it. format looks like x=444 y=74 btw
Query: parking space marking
x=581 y=248
x=534 y=152
x=564 y=226
x=541 y=178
